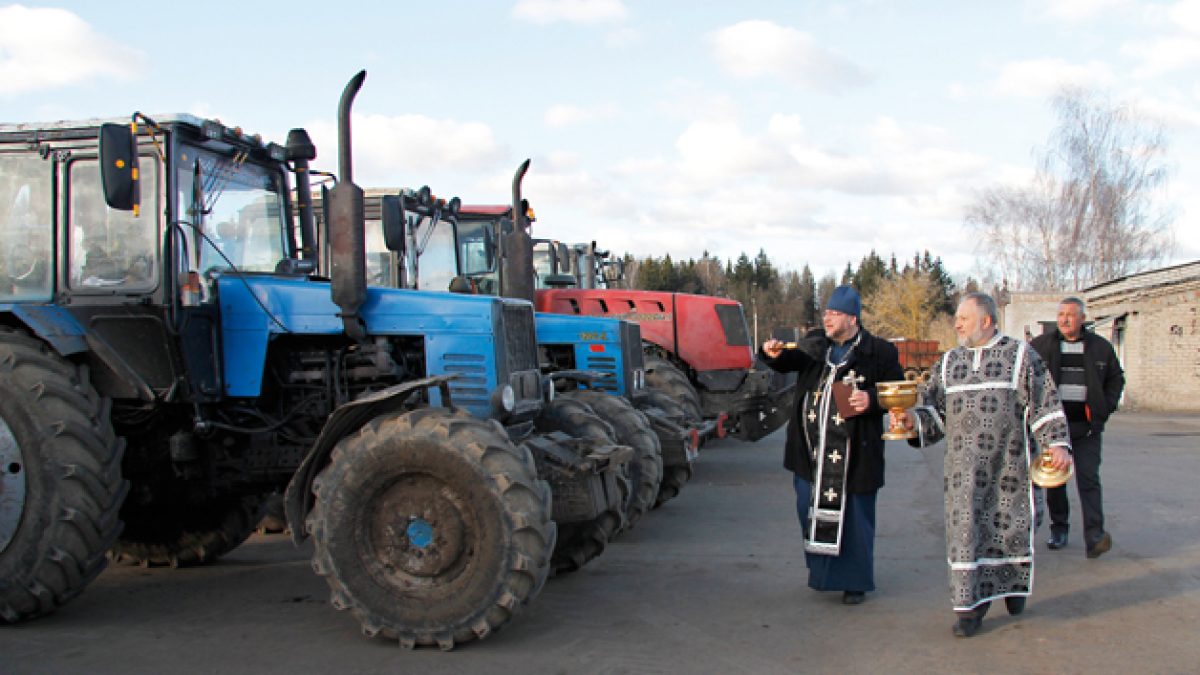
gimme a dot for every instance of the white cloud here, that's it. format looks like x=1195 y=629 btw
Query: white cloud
x=566 y=114
x=1171 y=113
x=716 y=151
x=570 y=11
x=1038 y=78
x=758 y=48
x=399 y=150
x=623 y=37
x=1164 y=54
x=1078 y=10
x=1185 y=15
x=52 y=48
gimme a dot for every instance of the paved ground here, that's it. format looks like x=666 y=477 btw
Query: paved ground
x=714 y=582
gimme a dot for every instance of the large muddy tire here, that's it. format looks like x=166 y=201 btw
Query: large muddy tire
x=674 y=476
x=183 y=533
x=60 y=479
x=579 y=543
x=664 y=376
x=431 y=527
x=630 y=427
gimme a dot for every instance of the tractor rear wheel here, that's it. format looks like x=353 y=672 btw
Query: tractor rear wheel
x=182 y=533
x=666 y=377
x=60 y=479
x=630 y=427
x=579 y=543
x=431 y=527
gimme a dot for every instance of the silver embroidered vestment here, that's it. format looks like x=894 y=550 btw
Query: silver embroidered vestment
x=994 y=405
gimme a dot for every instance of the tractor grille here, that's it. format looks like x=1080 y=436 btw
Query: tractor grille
x=604 y=364
x=520 y=338
x=470 y=387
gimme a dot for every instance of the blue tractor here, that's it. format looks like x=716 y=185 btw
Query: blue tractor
x=424 y=255
x=485 y=250
x=169 y=355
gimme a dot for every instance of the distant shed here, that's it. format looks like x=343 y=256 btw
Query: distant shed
x=1153 y=321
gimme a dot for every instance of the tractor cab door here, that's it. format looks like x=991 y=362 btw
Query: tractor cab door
x=231 y=217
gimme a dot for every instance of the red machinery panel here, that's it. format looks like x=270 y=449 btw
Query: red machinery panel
x=707 y=333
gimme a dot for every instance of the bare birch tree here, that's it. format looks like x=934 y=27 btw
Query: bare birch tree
x=1092 y=212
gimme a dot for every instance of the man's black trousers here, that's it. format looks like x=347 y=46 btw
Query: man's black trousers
x=1086 y=455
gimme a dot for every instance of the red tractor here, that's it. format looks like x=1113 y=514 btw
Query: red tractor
x=698 y=348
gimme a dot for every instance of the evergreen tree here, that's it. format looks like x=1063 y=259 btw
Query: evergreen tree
x=871 y=271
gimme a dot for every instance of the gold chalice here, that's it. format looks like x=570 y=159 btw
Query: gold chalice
x=1043 y=475
x=897 y=396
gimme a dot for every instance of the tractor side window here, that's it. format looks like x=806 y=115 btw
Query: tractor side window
x=543 y=263
x=108 y=248
x=380 y=270
x=438 y=263
x=478 y=255
x=26 y=228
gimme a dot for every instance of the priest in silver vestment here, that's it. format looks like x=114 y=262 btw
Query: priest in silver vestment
x=994 y=402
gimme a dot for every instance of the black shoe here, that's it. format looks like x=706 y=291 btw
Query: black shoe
x=853 y=597
x=1057 y=540
x=1015 y=604
x=970 y=621
x=1100 y=547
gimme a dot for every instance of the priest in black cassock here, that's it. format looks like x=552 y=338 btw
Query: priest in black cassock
x=836 y=454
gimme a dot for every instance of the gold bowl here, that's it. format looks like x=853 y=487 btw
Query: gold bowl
x=897 y=396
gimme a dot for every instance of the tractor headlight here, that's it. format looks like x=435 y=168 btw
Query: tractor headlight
x=505 y=398
x=639 y=379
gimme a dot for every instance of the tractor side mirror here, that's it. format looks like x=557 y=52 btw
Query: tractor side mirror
x=393 y=223
x=119 y=167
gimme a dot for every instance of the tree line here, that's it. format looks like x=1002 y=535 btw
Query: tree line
x=910 y=300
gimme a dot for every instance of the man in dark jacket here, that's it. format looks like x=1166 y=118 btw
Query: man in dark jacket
x=1090 y=380
x=836 y=453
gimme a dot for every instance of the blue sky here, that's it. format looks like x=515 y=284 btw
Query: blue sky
x=816 y=131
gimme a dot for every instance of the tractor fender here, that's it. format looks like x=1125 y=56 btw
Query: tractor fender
x=52 y=324
x=298 y=500
x=111 y=374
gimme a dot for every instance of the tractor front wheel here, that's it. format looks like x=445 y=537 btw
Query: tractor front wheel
x=431 y=527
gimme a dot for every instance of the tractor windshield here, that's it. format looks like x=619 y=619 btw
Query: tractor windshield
x=233 y=211
x=26 y=228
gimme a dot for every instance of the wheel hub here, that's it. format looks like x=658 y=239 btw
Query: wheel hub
x=12 y=485
x=417 y=529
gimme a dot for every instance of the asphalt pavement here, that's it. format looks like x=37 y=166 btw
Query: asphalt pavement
x=712 y=582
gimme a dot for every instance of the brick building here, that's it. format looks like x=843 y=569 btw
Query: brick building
x=1151 y=318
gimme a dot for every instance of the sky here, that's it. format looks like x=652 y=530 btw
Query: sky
x=816 y=131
